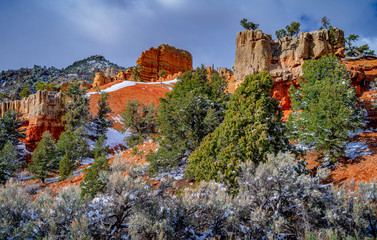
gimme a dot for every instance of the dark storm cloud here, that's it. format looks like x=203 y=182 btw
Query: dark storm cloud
x=46 y=32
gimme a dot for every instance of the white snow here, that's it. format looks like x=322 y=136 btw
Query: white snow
x=124 y=84
x=87 y=161
x=115 y=137
x=356 y=149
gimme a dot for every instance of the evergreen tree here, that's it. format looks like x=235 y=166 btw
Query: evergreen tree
x=353 y=51
x=290 y=30
x=65 y=168
x=101 y=123
x=249 y=25
x=77 y=115
x=281 y=34
x=25 y=92
x=95 y=180
x=325 y=107
x=325 y=21
x=8 y=162
x=251 y=129
x=192 y=110
x=44 y=158
x=74 y=146
x=293 y=29
x=73 y=142
x=140 y=120
x=10 y=129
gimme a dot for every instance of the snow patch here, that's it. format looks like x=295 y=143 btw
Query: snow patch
x=356 y=149
x=115 y=137
x=87 y=161
x=124 y=84
x=177 y=174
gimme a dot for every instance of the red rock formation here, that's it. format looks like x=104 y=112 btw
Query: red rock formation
x=363 y=71
x=171 y=59
x=41 y=111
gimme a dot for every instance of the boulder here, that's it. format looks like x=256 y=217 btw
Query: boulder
x=100 y=80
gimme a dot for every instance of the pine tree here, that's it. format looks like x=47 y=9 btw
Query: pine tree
x=140 y=120
x=95 y=180
x=77 y=115
x=101 y=123
x=192 y=110
x=10 y=129
x=44 y=160
x=65 y=168
x=325 y=107
x=251 y=129
x=74 y=146
x=8 y=162
x=249 y=25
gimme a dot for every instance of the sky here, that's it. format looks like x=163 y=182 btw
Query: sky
x=59 y=32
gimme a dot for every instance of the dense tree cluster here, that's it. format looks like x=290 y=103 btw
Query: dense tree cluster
x=251 y=129
x=192 y=110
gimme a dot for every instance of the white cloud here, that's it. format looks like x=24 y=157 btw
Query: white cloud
x=172 y=3
x=371 y=41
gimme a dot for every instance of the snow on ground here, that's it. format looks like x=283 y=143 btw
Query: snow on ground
x=177 y=174
x=124 y=84
x=356 y=149
x=115 y=137
x=22 y=147
x=87 y=161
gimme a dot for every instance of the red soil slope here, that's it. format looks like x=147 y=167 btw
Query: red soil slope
x=144 y=93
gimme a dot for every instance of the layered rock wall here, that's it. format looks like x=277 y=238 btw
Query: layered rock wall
x=41 y=112
x=174 y=61
x=283 y=59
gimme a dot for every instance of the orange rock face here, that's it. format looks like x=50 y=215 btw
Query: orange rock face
x=363 y=71
x=100 y=79
x=144 y=93
x=171 y=59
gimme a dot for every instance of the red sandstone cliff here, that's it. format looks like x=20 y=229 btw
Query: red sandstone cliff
x=41 y=112
x=283 y=59
x=166 y=57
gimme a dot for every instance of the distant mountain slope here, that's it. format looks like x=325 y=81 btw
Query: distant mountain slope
x=91 y=65
x=13 y=81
